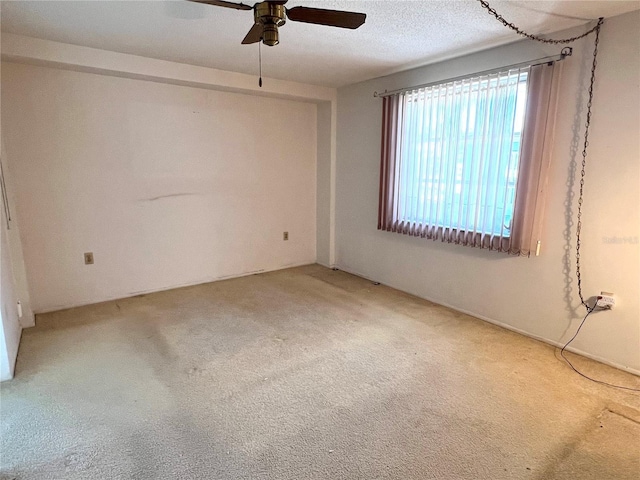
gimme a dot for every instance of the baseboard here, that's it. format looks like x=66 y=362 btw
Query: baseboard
x=122 y=296
x=326 y=265
x=28 y=320
x=505 y=326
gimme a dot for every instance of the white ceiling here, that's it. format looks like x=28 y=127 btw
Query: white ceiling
x=397 y=34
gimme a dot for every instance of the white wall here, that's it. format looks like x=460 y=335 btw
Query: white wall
x=167 y=185
x=536 y=296
x=11 y=329
x=13 y=282
x=13 y=288
x=19 y=277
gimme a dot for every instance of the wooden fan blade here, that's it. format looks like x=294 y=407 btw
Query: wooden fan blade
x=254 y=35
x=222 y=3
x=320 y=16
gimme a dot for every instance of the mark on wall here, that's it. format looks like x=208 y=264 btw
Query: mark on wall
x=170 y=195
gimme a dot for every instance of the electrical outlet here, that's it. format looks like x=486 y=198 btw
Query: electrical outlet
x=606 y=300
x=285 y=236
x=88 y=258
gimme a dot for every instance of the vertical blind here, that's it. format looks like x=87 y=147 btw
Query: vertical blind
x=463 y=161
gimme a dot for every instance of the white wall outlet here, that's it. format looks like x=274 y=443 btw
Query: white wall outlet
x=606 y=300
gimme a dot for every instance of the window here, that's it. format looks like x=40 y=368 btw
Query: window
x=465 y=161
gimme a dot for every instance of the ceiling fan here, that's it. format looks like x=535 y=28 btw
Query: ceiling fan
x=271 y=14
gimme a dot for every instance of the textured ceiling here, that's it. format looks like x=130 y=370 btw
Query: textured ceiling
x=397 y=34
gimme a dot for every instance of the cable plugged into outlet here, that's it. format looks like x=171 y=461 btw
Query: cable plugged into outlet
x=606 y=300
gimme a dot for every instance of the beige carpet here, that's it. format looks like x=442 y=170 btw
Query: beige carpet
x=303 y=374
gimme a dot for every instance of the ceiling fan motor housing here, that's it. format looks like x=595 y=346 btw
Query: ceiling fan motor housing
x=270 y=16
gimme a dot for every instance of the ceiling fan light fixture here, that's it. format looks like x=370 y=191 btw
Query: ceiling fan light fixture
x=270 y=34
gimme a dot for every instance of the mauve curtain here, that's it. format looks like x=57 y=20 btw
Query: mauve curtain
x=534 y=159
x=532 y=173
x=391 y=135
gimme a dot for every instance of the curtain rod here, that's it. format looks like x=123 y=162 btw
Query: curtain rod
x=566 y=52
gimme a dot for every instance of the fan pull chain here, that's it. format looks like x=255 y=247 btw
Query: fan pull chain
x=260 y=62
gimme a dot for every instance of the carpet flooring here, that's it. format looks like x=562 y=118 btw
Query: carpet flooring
x=305 y=373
